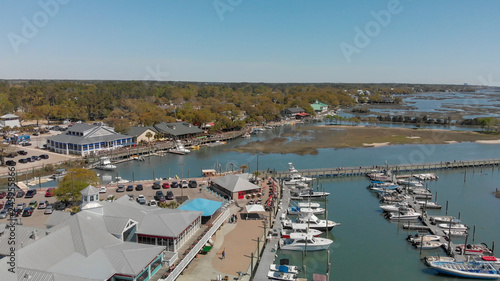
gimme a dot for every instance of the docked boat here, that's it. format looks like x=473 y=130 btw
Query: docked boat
x=312 y=221
x=466 y=269
x=429 y=259
x=284 y=268
x=409 y=214
x=179 y=148
x=303 y=242
x=380 y=185
x=297 y=210
x=400 y=206
x=429 y=204
x=427 y=245
x=443 y=219
x=309 y=194
x=409 y=182
x=105 y=164
x=300 y=228
x=456 y=233
x=278 y=275
x=453 y=226
x=426 y=237
x=473 y=249
x=295 y=177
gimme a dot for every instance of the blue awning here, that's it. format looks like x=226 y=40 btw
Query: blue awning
x=208 y=207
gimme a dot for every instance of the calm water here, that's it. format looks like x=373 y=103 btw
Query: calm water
x=367 y=246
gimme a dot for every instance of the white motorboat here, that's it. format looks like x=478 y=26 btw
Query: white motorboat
x=295 y=177
x=105 y=164
x=426 y=237
x=300 y=228
x=409 y=182
x=312 y=221
x=429 y=204
x=308 y=205
x=179 y=148
x=297 y=210
x=453 y=226
x=309 y=194
x=473 y=249
x=427 y=245
x=443 y=219
x=409 y=214
x=303 y=242
x=401 y=206
x=472 y=269
x=278 y=275
x=382 y=186
x=284 y=268
x=456 y=233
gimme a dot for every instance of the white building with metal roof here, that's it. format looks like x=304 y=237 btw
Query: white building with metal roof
x=84 y=139
x=9 y=120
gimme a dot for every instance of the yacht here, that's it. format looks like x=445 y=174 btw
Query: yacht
x=453 y=226
x=300 y=228
x=295 y=177
x=304 y=242
x=179 y=148
x=312 y=221
x=399 y=206
x=105 y=164
x=409 y=214
x=309 y=194
x=297 y=210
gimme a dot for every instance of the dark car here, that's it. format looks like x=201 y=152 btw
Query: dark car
x=30 y=193
x=120 y=188
x=49 y=210
x=130 y=188
x=159 y=196
x=28 y=211
x=26 y=144
x=20 y=194
x=3 y=194
x=8 y=204
x=44 y=156
x=37 y=158
x=165 y=185
x=139 y=187
x=59 y=206
x=170 y=195
x=29 y=159
x=156 y=185
x=174 y=184
x=10 y=163
x=22 y=161
x=22 y=152
x=193 y=184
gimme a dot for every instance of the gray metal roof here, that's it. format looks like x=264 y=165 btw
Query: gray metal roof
x=82 y=128
x=235 y=183
x=137 y=131
x=9 y=115
x=24 y=237
x=57 y=217
x=115 y=225
x=89 y=190
x=177 y=128
x=293 y=110
x=64 y=138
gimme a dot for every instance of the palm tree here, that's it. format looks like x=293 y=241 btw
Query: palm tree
x=243 y=168
x=149 y=135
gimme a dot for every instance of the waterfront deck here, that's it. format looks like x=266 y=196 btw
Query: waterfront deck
x=395 y=169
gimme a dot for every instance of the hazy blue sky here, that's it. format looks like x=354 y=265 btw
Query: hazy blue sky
x=253 y=40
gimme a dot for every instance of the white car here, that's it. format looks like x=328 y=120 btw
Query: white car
x=141 y=199
x=42 y=204
x=103 y=189
x=153 y=203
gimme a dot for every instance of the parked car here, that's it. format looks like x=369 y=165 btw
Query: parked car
x=30 y=193
x=170 y=195
x=49 y=192
x=193 y=184
x=139 y=187
x=165 y=185
x=43 y=204
x=103 y=189
x=153 y=203
x=184 y=184
x=159 y=196
x=44 y=156
x=10 y=163
x=33 y=204
x=22 y=161
x=28 y=211
x=156 y=185
x=130 y=188
x=20 y=194
x=22 y=152
x=120 y=188
x=29 y=159
x=20 y=207
x=174 y=184
x=4 y=213
x=37 y=158
x=3 y=194
x=26 y=144
x=8 y=204
x=59 y=206
x=49 y=210
x=141 y=199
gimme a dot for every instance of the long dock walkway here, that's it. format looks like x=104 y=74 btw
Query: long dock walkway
x=395 y=169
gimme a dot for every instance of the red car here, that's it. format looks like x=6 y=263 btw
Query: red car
x=166 y=185
x=3 y=194
x=50 y=192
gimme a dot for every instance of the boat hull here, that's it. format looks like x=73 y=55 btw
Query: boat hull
x=466 y=270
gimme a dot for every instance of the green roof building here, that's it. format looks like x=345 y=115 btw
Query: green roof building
x=319 y=107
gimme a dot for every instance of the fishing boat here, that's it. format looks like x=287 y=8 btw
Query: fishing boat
x=427 y=245
x=312 y=221
x=284 y=268
x=409 y=214
x=304 y=242
x=309 y=194
x=429 y=204
x=471 y=269
x=443 y=219
x=453 y=226
x=409 y=182
x=473 y=249
x=380 y=185
x=427 y=237
x=278 y=275
x=179 y=148
x=105 y=164
x=296 y=210
x=400 y=206
x=300 y=228
x=456 y=233
x=295 y=177
x=429 y=259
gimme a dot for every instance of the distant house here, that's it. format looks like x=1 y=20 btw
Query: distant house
x=294 y=112
x=177 y=130
x=83 y=139
x=10 y=120
x=138 y=134
x=319 y=107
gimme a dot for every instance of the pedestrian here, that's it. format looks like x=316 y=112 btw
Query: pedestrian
x=224 y=254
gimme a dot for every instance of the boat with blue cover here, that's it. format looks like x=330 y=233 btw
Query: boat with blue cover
x=467 y=269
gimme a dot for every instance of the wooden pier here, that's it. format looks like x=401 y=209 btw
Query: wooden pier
x=395 y=169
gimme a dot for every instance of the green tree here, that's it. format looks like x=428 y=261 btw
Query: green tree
x=149 y=135
x=73 y=182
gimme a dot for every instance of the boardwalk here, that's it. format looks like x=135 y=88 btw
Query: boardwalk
x=396 y=169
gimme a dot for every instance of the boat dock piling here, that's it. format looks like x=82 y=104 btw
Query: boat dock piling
x=396 y=169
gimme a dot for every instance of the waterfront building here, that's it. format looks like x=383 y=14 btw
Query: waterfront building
x=83 y=139
x=178 y=130
x=9 y=120
x=319 y=107
x=294 y=113
x=234 y=186
x=138 y=134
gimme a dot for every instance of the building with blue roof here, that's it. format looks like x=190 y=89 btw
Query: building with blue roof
x=208 y=207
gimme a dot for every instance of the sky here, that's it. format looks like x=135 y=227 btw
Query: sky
x=338 y=41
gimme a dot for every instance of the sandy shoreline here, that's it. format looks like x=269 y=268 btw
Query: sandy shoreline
x=489 y=141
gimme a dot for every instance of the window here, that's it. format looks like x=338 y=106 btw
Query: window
x=91 y=146
x=91 y=198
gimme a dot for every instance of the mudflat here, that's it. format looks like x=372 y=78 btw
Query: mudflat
x=306 y=140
